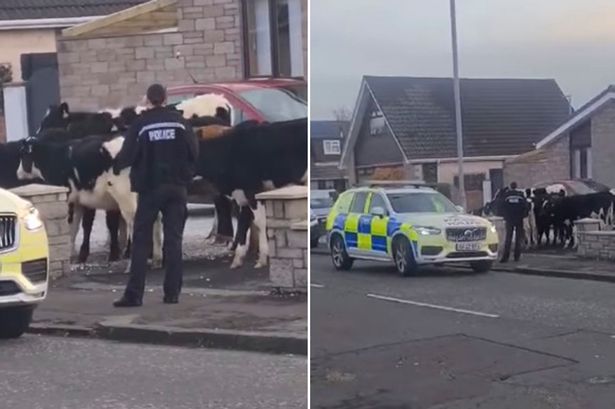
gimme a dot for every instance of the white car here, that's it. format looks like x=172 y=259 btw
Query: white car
x=410 y=226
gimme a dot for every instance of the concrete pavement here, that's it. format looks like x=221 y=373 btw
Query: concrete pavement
x=38 y=372
x=451 y=339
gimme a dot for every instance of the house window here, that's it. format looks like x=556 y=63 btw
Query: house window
x=376 y=123
x=329 y=184
x=273 y=34
x=430 y=172
x=581 y=163
x=331 y=147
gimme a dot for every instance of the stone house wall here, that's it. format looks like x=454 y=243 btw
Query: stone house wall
x=115 y=71
x=553 y=164
x=603 y=145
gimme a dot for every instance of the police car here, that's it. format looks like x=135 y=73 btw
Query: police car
x=411 y=226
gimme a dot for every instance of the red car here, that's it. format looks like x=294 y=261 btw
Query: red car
x=267 y=99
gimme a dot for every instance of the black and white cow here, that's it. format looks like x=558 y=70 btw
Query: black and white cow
x=249 y=159
x=80 y=124
x=85 y=167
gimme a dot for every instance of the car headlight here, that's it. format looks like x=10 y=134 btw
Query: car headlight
x=427 y=230
x=32 y=220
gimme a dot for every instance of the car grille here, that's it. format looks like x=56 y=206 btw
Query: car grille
x=35 y=271
x=431 y=250
x=8 y=232
x=462 y=234
x=467 y=254
x=8 y=288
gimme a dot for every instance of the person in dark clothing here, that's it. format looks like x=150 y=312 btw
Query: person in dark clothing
x=161 y=150
x=514 y=210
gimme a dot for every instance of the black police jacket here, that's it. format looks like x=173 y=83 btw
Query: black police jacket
x=161 y=148
x=514 y=206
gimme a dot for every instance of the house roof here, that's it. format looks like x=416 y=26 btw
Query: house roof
x=501 y=117
x=46 y=9
x=327 y=129
x=579 y=115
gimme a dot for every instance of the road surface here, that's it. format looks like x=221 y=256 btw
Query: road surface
x=451 y=339
x=38 y=372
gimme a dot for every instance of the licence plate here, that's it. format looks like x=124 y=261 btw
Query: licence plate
x=468 y=246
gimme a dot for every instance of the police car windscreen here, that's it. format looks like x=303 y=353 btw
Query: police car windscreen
x=421 y=202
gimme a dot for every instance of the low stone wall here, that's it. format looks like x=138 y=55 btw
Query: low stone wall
x=593 y=243
x=51 y=203
x=287 y=233
x=500 y=226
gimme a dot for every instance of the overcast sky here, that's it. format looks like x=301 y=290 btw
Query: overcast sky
x=572 y=41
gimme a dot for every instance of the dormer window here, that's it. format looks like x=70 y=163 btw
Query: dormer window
x=376 y=123
x=332 y=147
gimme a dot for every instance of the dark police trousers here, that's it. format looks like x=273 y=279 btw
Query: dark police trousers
x=171 y=201
x=517 y=227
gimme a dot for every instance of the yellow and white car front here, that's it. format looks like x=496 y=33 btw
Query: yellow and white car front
x=24 y=265
x=451 y=237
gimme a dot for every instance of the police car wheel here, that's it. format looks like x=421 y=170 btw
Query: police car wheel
x=482 y=266
x=341 y=260
x=14 y=321
x=403 y=257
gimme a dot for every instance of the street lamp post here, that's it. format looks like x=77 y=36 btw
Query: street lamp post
x=457 y=93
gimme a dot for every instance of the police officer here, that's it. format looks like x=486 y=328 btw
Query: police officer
x=514 y=210
x=161 y=150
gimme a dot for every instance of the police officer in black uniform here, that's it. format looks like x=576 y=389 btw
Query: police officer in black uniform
x=162 y=151
x=514 y=210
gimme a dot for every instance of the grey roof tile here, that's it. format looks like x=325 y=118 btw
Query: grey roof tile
x=500 y=116
x=39 y=9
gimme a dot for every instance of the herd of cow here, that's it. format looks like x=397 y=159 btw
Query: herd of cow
x=553 y=214
x=77 y=150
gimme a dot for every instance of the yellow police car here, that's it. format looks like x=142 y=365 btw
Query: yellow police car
x=411 y=226
x=24 y=263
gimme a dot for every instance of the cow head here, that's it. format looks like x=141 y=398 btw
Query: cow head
x=57 y=116
x=28 y=153
x=125 y=118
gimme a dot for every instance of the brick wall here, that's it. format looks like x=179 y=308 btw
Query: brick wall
x=116 y=71
x=603 y=145
x=551 y=164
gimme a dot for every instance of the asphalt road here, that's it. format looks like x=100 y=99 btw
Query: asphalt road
x=61 y=373
x=451 y=339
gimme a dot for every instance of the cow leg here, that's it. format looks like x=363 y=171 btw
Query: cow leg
x=77 y=215
x=113 y=225
x=87 y=223
x=260 y=220
x=157 y=243
x=224 y=217
x=243 y=224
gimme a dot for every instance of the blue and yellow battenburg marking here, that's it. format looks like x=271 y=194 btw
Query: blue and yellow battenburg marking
x=366 y=232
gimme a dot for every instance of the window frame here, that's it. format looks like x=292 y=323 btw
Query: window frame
x=384 y=202
x=354 y=200
x=330 y=143
x=274 y=41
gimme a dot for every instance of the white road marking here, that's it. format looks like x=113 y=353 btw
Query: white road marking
x=437 y=307
x=317 y=285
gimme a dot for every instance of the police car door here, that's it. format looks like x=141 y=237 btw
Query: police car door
x=355 y=231
x=378 y=212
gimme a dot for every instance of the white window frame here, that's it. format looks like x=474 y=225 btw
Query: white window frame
x=331 y=147
x=376 y=123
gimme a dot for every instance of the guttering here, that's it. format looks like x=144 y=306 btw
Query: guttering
x=465 y=159
x=39 y=23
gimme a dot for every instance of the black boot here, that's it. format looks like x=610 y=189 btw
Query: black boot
x=127 y=302
x=170 y=299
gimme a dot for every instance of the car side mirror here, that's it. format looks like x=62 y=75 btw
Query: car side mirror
x=460 y=209
x=379 y=212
